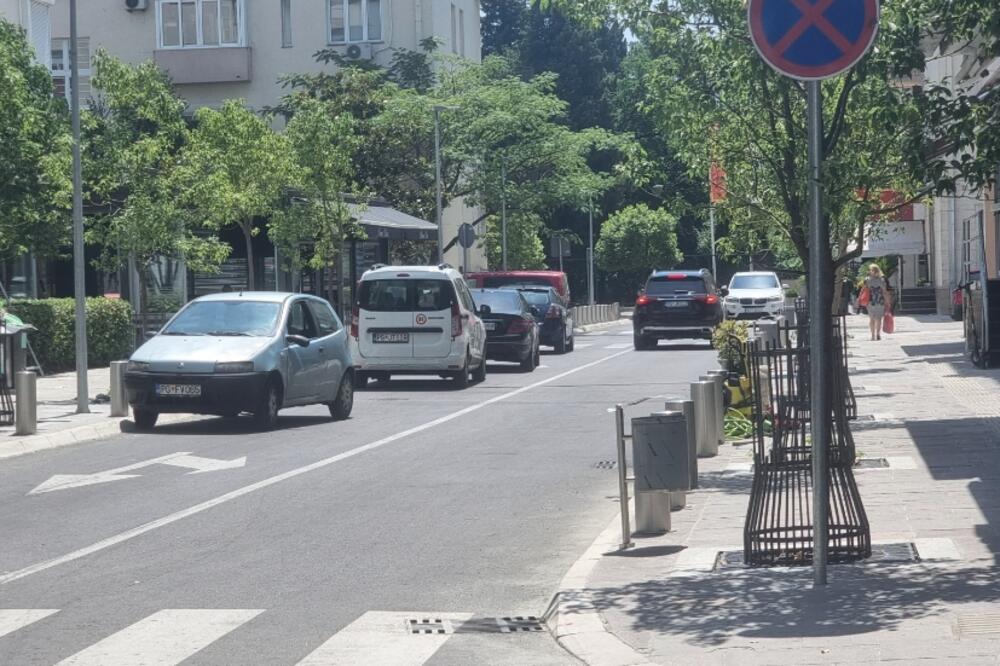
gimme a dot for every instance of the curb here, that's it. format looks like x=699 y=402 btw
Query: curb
x=19 y=446
x=605 y=324
x=574 y=619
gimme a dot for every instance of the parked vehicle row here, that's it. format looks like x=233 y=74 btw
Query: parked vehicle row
x=259 y=352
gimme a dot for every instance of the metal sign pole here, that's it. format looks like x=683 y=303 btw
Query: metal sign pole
x=820 y=321
x=503 y=211
x=711 y=220
x=79 y=260
x=437 y=183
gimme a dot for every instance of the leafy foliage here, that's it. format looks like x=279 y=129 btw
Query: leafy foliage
x=524 y=244
x=637 y=239
x=728 y=338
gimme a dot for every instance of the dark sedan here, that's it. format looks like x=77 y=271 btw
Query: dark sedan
x=555 y=320
x=511 y=330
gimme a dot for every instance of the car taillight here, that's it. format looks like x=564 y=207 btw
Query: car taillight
x=710 y=299
x=354 y=321
x=456 y=320
x=643 y=300
x=519 y=326
x=553 y=312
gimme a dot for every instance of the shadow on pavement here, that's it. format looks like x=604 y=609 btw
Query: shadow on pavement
x=227 y=426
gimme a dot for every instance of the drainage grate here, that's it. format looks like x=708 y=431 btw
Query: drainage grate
x=978 y=624
x=606 y=464
x=425 y=625
x=871 y=463
x=728 y=560
x=501 y=625
x=894 y=552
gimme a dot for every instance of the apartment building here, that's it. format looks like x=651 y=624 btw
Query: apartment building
x=35 y=17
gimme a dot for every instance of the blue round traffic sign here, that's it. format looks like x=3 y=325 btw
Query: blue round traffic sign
x=812 y=39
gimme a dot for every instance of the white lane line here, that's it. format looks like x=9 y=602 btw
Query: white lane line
x=165 y=638
x=619 y=345
x=583 y=345
x=127 y=535
x=383 y=638
x=12 y=619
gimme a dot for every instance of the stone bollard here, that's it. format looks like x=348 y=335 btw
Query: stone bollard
x=26 y=407
x=705 y=414
x=119 y=398
x=686 y=407
x=719 y=377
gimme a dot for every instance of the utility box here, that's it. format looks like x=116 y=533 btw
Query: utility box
x=660 y=452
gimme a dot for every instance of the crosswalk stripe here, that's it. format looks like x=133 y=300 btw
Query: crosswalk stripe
x=165 y=638
x=12 y=619
x=382 y=638
x=619 y=345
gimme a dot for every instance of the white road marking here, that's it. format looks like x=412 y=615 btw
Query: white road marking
x=382 y=638
x=620 y=345
x=12 y=619
x=583 y=345
x=180 y=459
x=127 y=535
x=165 y=638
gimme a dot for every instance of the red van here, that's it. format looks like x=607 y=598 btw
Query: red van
x=493 y=279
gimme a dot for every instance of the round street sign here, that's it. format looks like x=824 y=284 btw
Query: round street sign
x=812 y=39
x=466 y=235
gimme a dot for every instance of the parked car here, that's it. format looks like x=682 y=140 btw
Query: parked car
x=249 y=351
x=754 y=294
x=511 y=329
x=495 y=279
x=676 y=304
x=417 y=320
x=555 y=320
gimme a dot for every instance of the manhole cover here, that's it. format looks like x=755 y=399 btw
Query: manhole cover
x=871 y=463
x=425 y=625
x=606 y=464
x=501 y=625
x=978 y=624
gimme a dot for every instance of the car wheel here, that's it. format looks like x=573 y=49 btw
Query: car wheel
x=641 y=342
x=144 y=419
x=479 y=374
x=341 y=408
x=461 y=378
x=266 y=414
x=561 y=343
x=529 y=363
x=571 y=343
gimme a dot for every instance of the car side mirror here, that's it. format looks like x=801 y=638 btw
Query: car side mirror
x=149 y=335
x=724 y=291
x=299 y=340
x=485 y=310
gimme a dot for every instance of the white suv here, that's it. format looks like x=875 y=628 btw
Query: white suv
x=417 y=320
x=755 y=294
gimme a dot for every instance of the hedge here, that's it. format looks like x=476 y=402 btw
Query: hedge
x=109 y=330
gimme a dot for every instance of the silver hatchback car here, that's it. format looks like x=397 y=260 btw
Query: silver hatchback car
x=250 y=351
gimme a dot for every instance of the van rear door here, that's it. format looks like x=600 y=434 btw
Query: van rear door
x=385 y=318
x=433 y=299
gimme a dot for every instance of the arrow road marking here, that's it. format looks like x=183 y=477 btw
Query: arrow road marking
x=180 y=459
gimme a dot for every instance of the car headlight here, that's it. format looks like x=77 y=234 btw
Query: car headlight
x=137 y=366
x=238 y=366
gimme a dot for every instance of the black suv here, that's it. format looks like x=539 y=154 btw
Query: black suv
x=676 y=304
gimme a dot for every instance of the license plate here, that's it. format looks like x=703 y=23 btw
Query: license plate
x=675 y=304
x=179 y=390
x=396 y=338
x=490 y=325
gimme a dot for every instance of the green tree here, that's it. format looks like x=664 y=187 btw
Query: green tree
x=502 y=24
x=524 y=244
x=34 y=152
x=236 y=171
x=635 y=240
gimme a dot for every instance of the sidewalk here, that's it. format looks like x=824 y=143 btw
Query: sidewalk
x=58 y=422
x=937 y=424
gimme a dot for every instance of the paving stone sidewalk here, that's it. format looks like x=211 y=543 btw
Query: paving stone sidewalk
x=937 y=422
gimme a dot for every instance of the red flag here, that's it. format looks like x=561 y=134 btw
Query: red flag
x=717 y=183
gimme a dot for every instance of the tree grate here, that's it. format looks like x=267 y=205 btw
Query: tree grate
x=871 y=463
x=427 y=626
x=905 y=552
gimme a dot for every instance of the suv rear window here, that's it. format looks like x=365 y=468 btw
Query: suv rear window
x=667 y=286
x=399 y=295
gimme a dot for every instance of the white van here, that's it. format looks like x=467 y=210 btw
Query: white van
x=417 y=320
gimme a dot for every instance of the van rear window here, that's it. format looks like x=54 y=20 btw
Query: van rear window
x=394 y=295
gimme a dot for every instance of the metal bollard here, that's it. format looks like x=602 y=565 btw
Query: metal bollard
x=686 y=407
x=705 y=412
x=26 y=407
x=719 y=377
x=620 y=438
x=119 y=398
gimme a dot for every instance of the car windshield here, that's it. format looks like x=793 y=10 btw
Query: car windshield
x=754 y=282
x=668 y=285
x=536 y=297
x=235 y=317
x=508 y=302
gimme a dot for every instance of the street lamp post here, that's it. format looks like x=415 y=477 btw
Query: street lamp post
x=437 y=182
x=503 y=210
x=79 y=275
x=590 y=250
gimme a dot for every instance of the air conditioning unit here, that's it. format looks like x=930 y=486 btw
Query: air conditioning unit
x=359 y=52
x=136 y=5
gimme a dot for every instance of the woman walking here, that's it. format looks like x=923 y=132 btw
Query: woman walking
x=878 y=300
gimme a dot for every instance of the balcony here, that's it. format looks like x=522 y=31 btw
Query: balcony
x=205 y=65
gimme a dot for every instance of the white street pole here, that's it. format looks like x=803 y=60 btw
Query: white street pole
x=503 y=210
x=79 y=275
x=437 y=181
x=711 y=220
x=590 y=251
x=820 y=336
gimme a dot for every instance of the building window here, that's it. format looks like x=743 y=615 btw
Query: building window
x=39 y=31
x=355 y=21
x=198 y=23
x=286 y=24
x=61 y=74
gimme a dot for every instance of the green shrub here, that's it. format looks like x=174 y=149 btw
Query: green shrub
x=109 y=330
x=729 y=348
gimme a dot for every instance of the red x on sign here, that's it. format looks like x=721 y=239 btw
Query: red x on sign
x=812 y=40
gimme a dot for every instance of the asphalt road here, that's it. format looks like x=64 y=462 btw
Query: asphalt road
x=428 y=504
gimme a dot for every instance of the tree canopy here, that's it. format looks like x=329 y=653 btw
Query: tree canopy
x=635 y=240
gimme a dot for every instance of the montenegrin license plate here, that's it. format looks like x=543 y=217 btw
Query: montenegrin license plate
x=179 y=390
x=675 y=304
x=391 y=337
x=490 y=325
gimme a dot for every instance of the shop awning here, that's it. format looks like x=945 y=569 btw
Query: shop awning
x=381 y=221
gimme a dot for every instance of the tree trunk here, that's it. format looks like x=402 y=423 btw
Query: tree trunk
x=247 y=228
